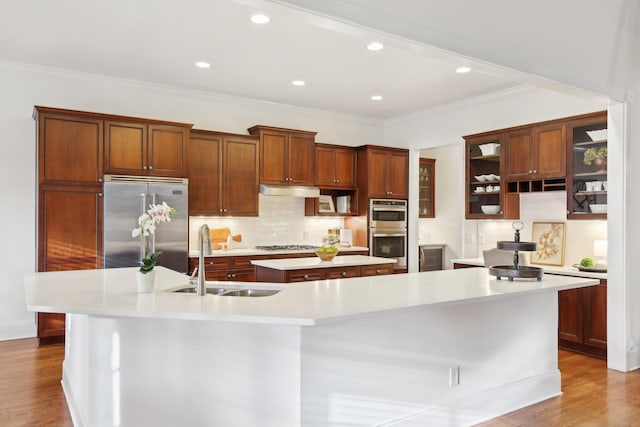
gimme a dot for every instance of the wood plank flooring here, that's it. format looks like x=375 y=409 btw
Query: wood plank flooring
x=31 y=394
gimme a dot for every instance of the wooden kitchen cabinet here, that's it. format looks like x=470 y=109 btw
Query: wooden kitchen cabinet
x=479 y=165
x=223 y=174
x=139 y=148
x=335 y=166
x=66 y=139
x=264 y=274
x=582 y=320
x=287 y=156
x=587 y=183
x=383 y=173
x=535 y=153
x=427 y=188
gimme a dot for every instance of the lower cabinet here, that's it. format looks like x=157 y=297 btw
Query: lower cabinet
x=582 y=320
x=264 y=274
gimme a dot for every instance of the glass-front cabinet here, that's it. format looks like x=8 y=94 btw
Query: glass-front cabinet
x=426 y=184
x=587 y=187
x=483 y=193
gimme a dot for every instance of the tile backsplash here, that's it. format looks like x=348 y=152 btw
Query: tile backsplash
x=281 y=220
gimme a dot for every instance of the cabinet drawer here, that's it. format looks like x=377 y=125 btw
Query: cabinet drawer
x=304 y=275
x=342 y=273
x=376 y=270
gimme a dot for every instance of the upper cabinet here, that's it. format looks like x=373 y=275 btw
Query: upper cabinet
x=483 y=192
x=66 y=140
x=535 y=153
x=223 y=174
x=383 y=173
x=138 y=148
x=287 y=156
x=426 y=187
x=587 y=184
x=335 y=166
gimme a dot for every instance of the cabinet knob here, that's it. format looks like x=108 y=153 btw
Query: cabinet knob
x=378 y=271
x=144 y=168
x=99 y=194
x=99 y=179
x=535 y=171
x=344 y=273
x=305 y=277
x=150 y=167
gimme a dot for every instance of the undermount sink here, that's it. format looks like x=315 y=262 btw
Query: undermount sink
x=231 y=292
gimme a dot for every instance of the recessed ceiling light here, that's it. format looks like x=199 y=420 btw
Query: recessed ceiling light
x=462 y=70
x=376 y=97
x=260 y=19
x=375 y=46
x=202 y=64
x=298 y=83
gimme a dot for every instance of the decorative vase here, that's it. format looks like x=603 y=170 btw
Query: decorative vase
x=600 y=163
x=145 y=281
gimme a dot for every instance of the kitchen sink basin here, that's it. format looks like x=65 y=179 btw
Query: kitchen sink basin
x=251 y=293
x=231 y=292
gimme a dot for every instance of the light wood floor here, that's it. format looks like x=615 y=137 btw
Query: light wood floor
x=31 y=395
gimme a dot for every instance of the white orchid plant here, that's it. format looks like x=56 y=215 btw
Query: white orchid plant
x=147 y=226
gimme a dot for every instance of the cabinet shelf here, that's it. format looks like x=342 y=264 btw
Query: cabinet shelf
x=590 y=193
x=426 y=177
x=588 y=143
x=589 y=174
x=492 y=157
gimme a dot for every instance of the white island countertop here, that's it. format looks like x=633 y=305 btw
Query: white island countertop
x=548 y=269
x=304 y=263
x=112 y=292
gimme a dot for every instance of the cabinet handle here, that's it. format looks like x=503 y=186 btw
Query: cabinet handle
x=99 y=194
x=150 y=167
x=99 y=179
x=144 y=168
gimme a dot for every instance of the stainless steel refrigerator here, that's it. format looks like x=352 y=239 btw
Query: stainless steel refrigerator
x=125 y=199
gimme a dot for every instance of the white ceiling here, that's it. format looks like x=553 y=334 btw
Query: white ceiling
x=159 y=42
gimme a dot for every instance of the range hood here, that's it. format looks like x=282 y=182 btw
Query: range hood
x=289 y=190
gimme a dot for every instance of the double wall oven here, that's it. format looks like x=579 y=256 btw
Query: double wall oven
x=388 y=230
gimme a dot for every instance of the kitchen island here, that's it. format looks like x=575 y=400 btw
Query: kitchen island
x=451 y=347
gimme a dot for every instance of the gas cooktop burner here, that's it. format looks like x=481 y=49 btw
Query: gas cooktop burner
x=286 y=247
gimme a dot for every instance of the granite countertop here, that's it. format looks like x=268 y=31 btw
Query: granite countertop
x=113 y=293
x=304 y=263
x=548 y=269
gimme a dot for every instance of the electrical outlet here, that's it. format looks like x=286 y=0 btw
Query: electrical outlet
x=454 y=376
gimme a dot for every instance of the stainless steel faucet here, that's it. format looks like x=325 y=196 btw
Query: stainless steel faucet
x=204 y=242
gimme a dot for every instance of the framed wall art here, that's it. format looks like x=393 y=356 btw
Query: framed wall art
x=550 y=237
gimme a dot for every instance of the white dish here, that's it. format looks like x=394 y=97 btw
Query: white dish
x=492 y=177
x=598 y=209
x=597 y=135
x=490 y=149
x=481 y=178
x=479 y=190
x=490 y=209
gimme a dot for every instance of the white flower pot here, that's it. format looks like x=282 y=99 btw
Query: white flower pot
x=145 y=281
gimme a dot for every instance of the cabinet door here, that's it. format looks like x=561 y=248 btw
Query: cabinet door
x=301 y=159
x=273 y=157
x=51 y=324
x=205 y=174
x=166 y=151
x=69 y=140
x=240 y=176
x=595 y=321
x=398 y=175
x=345 y=166
x=70 y=228
x=549 y=151
x=325 y=167
x=125 y=148
x=377 y=172
x=518 y=164
x=570 y=315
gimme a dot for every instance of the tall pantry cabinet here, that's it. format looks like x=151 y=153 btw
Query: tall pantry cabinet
x=70 y=150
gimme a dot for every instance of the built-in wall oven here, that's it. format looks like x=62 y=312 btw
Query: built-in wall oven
x=388 y=230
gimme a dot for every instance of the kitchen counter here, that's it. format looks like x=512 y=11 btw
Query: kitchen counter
x=404 y=349
x=254 y=251
x=304 y=263
x=548 y=269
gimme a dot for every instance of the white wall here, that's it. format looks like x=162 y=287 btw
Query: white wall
x=24 y=86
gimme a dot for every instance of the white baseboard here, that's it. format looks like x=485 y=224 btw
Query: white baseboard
x=17 y=329
x=487 y=404
x=633 y=358
x=77 y=417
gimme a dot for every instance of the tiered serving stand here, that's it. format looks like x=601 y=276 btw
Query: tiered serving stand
x=517 y=271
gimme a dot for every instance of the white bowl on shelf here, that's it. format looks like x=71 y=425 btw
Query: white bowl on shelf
x=597 y=135
x=490 y=148
x=481 y=178
x=490 y=209
x=598 y=208
x=492 y=177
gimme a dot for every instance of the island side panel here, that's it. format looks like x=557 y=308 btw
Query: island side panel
x=396 y=367
x=135 y=371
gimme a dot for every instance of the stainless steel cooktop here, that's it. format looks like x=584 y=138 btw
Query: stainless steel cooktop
x=286 y=247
